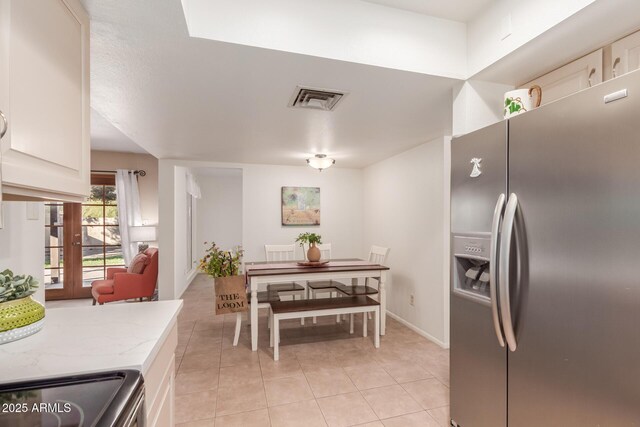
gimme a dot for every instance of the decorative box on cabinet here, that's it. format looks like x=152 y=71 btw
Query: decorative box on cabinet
x=571 y=78
x=44 y=95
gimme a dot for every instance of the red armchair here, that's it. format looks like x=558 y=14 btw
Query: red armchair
x=120 y=285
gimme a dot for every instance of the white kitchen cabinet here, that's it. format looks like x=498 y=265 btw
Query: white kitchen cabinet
x=571 y=78
x=160 y=384
x=625 y=55
x=44 y=94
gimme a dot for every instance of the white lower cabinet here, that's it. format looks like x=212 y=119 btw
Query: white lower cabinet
x=44 y=95
x=159 y=384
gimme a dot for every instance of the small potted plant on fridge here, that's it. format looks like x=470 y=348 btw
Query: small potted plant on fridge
x=311 y=239
x=20 y=314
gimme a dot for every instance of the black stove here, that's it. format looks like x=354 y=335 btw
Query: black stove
x=102 y=400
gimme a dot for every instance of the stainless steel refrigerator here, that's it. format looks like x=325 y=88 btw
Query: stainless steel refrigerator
x=545 y=283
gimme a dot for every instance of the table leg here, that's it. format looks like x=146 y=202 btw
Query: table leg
x=383 y=302
x=254 y=315
x=364 y=324
x=376 y=329
x=276 y=338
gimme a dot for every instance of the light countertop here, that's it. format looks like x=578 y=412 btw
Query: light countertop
x=81 y=340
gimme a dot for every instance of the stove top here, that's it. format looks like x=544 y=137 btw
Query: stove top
x=87 y=400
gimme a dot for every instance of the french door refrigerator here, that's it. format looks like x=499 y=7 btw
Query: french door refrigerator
x=545 y=283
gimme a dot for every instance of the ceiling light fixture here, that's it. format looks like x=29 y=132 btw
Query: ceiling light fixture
x=320 y=161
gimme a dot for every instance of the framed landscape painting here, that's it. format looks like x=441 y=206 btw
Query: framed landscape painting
x=300 y=206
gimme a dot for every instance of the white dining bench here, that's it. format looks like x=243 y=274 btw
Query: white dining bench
x=282 y=310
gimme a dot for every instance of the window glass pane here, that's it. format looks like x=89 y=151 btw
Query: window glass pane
x=53 y=278
x=53 y=214
x=53 y=257
x=95 y=259
x=111 y=215
x=53 y=236
x=92 y=235
x=109 y=194
x=95 y=251
x=114 y=256
x=89 y=274
x=92 y=215
x=96 y=196
x=112 y=235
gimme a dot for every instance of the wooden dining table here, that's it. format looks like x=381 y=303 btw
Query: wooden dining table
x=263 y=273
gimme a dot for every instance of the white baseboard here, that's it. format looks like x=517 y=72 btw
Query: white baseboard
x=417 y=330
x=191 y=275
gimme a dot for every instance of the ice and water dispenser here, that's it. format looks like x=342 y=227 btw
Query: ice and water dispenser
x=471 y=267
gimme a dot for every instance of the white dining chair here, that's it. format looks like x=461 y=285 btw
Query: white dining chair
x=377 y=255
x=315 y=287
x=284 y=253
x=264 y=301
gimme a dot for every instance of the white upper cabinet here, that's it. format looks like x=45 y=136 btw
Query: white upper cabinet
x=44 y=94
x=625 y=55
x=571 y=78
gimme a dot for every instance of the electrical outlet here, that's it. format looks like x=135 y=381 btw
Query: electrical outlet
x=411 y=299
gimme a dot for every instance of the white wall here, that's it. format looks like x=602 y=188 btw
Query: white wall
x=219 y=211
x=340 y=217
x=175 y=272
x=341 y=209
x=477 y=104
x=404 y=204
x=22 y=242
x=529 y=19
x=354 y=31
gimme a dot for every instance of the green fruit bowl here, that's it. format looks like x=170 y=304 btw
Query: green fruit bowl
x=20 y=318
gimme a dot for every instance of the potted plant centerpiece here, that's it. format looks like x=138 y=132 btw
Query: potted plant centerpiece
x=311 y=239
x=20 y=314
x=229 y=283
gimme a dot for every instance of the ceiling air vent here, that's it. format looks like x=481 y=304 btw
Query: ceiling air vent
x=317 y=99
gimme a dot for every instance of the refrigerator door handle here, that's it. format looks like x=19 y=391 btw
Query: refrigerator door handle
x=493 y=267
x=503 y=273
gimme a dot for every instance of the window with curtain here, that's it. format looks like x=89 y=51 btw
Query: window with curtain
x=101 y=244
x=190 y=260
x=193 y=193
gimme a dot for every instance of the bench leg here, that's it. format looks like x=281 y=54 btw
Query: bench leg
x=270 y=328
x=376 y=328
x=276 y=338
x=364 y=325
x=308 y=295
x=313 y=295
x=236 y=335
x=351 y=316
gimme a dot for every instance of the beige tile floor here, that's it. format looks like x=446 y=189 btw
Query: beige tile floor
x=325 y=377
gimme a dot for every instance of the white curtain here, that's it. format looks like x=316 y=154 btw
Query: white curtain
x=192 y=186
x=128 y=210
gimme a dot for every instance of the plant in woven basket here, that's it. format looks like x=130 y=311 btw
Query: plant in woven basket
x=219 y=263
x=14 y=287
